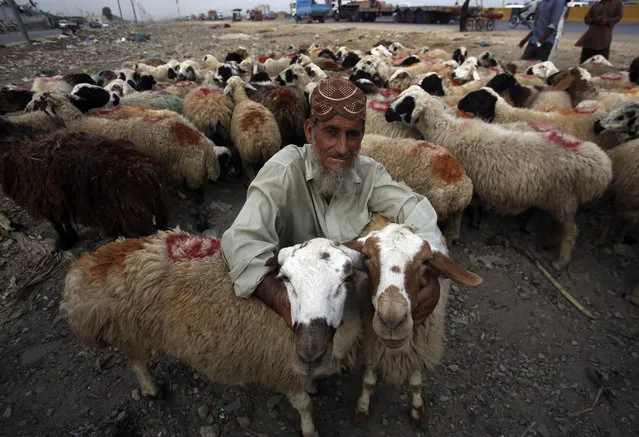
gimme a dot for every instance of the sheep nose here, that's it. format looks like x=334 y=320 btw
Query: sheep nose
x=312 y=360
x=598 y=127
x=392 y=322
x=453 y=75
x=312 y=340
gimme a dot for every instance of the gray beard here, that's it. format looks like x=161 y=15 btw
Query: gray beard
x=328 y=182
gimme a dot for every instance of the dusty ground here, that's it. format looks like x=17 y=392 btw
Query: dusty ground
x=520 y=360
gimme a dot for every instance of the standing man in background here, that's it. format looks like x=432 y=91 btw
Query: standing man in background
x=463 y=16
x=601 y=18
x=542 y=37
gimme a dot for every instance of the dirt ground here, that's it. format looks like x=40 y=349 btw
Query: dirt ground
x=520 y=359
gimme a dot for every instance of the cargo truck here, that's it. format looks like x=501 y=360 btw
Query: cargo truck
x=308 y=10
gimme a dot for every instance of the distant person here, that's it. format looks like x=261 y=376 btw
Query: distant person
x=601 y=18
x=542 y=37
x=463 y=16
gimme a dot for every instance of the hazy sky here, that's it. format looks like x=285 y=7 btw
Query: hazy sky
x=167 y=8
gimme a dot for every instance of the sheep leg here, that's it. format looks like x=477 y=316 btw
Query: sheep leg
x=363 y=403
x=201 y=221
x=570 y=232
x=140 y=369
x=302 y=402
x=418 y=408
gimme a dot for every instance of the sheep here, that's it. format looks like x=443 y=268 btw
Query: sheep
x=428 y=169
x=131 y=295
x=391 y=346
x=467 y=71
x=622 y=121
x=488 y=60
x=542 y=70
x=460 y=54
x=14 y=99
x=374 y=69
x=120 y=87
x=254 y=130
x=623 y=192
x=210 y=111
x=273 y=67
x=615 y=81
x=598 y=65
x=489 y=106
x=162 y=73
x=211 y=61
x=154 y=100
x=85 y=178
x=55 y=83
x=187 y=156
x=513 y=170
x=86 y=97
x=633 y=71
x=522 y=96
x=190 y=72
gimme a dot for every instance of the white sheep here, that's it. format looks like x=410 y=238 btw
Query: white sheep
x=513 y=170
x=392 y=347
x=131 y=295
x=254 y=130
x=120 y=87
x=489 y=106
x=428 y=169
x=55 y=83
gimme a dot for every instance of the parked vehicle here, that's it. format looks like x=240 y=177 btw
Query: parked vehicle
x=237 y=14
x=307 y=10
x=359 y=10
x=523 y=14
x=94 y=25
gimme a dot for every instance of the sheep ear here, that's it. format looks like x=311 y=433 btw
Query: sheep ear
x=564 y=84
x=450 y=269
x=355 y=256
x=249 y=86
x=475 y=75
x=228 y=89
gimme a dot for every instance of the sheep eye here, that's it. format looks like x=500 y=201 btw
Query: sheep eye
x=620 y=118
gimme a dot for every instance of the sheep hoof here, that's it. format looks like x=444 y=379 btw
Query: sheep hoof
x=311 y=434
x=419 y=416
x=361 y=417
x=559 y=265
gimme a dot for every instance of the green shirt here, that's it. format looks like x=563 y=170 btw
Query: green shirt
x=284 y=208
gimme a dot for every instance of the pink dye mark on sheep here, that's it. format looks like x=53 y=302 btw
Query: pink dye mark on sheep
x=585 y=110
x=387 y=92
x=562 y=140
x=379 y=106
x=184 y=84
x=50 y=79
x=540 y=127
x=183 y=247
x=612 y=76
x=421 y=148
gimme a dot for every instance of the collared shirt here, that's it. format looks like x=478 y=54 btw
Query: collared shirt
x=549 y=13
x=284 y=207
x=599 y=36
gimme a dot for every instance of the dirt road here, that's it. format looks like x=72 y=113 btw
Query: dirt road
x=520 y=359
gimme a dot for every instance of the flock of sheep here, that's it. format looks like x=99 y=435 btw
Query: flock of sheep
x=104 y=151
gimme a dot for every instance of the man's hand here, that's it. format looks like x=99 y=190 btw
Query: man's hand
x=272 y=292
x=427 y=297
x=523 y=42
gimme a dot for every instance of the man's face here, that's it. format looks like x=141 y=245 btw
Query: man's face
x=337 y=140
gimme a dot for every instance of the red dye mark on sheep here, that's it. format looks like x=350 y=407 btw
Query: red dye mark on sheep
x=154 y=118
x=540 y=127
x=184 y=84
x=113 y=255
x=109 y=110
x=252 y=119
x=612 y=76
x=263 y=58
x=50 y=79
x=423 y=147
x=208 y=91
x=285 y=97
x=185 y=135
x=330 y=65
x=446 y=168
x=184 y=247
x=379 y=106
x=463 y=114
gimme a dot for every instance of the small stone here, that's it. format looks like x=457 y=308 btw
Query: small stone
x=233 y=406
x=203 y=411
x=453 y=367
x=7 y=413
x=444 y=398
x=121 y=416
x=385 y=422
x=618 y=315
x=542 y=430
x=243 y=421
x=273 y=401
x=135 y=395
x=29 y=393
x=50 y=412
x=574 y=343
x=209 y=431
x=23 y=423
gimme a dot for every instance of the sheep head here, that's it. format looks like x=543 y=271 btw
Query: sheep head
x=433 y=84
x=368 y=68
x=466 y=71
x=396 y=259
x=487 y=59
x=481 y=103
x=543 y=70
x=622 y=119
x=315 y=274
x=575 y=81
x=597 y=60
x=294 y=75
x=406 y=107
x=54 y=104
x=460 y=54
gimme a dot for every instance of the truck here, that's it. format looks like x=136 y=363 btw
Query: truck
x=426 y=14
x=359 y=10
x=308 y=10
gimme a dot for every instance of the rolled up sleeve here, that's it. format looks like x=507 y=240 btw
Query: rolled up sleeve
x=253 y=237
x=402 y=205
x=555 y=14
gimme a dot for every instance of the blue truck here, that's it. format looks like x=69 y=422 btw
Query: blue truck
x=308 y=10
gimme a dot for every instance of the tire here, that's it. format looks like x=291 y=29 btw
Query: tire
x=490 y=25
x=513 y=22
x=470 y=25
x=530 y=21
